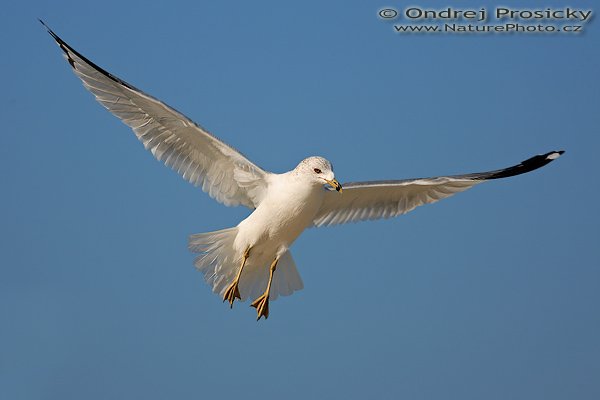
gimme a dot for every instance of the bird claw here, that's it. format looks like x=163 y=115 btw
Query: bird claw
x=262 y=306
x=232 y=293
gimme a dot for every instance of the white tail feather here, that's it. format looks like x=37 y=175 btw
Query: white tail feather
x=219 y=263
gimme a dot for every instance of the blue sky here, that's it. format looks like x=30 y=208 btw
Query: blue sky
x=491 y=294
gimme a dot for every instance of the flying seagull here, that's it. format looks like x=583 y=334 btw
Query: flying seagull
x=252 y=260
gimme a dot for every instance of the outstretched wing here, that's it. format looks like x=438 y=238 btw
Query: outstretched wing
x=202 y=159
x=362 y=201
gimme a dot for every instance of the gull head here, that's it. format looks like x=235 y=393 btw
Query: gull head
x=318 y=171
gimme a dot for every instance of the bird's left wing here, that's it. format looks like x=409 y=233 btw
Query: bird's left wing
x=361 y=201
x=202 y=159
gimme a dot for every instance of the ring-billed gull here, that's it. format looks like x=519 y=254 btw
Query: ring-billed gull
x=252 y=260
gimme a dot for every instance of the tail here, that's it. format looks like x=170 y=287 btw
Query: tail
x=219 y=262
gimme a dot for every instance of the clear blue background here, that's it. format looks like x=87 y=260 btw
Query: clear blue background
x=491 y=294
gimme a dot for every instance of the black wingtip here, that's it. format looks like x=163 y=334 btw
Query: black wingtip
x=528 y=165
x=48 y=29
x=61 y=43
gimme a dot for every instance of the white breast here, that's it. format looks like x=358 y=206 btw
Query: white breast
x=288 y=208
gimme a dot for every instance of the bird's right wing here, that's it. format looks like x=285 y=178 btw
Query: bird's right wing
x=202 y=159
x=362 y=201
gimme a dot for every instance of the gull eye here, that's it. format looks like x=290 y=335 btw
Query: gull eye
x=317 y=170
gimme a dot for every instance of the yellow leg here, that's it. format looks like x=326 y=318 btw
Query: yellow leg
x=262 y=303
x=233 y=290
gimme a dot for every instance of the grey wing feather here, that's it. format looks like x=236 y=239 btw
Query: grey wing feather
x=362 y=201
x=202 y=159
